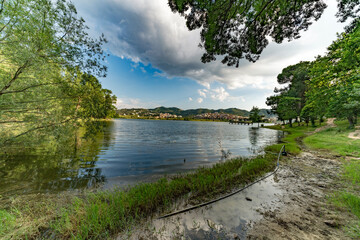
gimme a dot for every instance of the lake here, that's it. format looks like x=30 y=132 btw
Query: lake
x=125 y=151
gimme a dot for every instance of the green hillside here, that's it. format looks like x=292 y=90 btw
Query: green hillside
x=190 y=112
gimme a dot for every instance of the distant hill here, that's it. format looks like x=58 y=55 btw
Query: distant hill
x=191 y=112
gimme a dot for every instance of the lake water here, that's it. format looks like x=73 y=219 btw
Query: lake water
x=123 y=151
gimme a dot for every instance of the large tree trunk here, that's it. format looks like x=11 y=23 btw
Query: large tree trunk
x=290 y=122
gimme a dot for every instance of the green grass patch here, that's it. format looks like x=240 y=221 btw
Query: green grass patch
x=352 y=171
x=291 y=139
x=335 y=139
x=351 y=202
x=348 y=200
x=7 y=222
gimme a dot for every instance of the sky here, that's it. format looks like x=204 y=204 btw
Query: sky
x=154 y=60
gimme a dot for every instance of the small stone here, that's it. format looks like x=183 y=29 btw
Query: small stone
x=248 y=199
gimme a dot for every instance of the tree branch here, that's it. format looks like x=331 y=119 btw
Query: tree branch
x=16 y=75
x=15 y=121
x=24 y=89
x=37 y=128
x=2 y=6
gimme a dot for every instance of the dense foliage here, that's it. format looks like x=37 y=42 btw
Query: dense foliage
x=290 y=100
x=329 y=86
x=46 y=62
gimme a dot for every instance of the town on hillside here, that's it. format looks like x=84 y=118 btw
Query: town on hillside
x=229 y=115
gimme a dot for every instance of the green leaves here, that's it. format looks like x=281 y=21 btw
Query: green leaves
x=239 y=29
x=44 y=46
x=290 y=101
x=255 y=115
x=335 y=79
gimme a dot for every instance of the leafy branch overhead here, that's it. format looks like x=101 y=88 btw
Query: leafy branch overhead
x=236 y=29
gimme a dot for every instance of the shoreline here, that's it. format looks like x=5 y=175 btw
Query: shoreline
x=188 y=120
x=142 y=199
x=117 y=211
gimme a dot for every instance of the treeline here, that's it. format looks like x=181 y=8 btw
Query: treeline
x=326 y=87
x=48 y=65
x=191 y=112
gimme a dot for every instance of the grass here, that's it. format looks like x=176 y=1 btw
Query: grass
x=291 y=140
x=336 y=140
x=7 y=222
x=102 y=214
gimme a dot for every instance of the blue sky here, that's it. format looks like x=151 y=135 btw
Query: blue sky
x=154 y=60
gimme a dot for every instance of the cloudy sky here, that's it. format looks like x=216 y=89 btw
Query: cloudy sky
x=155 y=61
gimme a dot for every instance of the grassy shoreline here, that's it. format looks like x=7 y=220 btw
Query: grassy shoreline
x=182 y=119
x=103 y=214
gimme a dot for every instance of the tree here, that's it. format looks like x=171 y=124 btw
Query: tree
x=255 y=115
x=240 y=29
x=93 y=100
x=43 y=46
x=334 y=84
x=290 y=100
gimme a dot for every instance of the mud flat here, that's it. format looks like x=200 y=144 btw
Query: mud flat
x=292 y=204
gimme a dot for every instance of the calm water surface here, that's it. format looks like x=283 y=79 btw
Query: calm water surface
x=124 y=152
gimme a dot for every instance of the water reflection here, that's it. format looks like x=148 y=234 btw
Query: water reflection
x=253 y=136
x=122 y=152
x=60 y=164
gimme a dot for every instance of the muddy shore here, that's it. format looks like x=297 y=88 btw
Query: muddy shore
x=291 y=204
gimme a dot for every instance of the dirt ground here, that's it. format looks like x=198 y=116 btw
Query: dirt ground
x=355 y=134
x=306 y=214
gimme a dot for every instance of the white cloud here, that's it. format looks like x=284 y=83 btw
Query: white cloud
x=202 y=93
x=134 y=103
x=148 y=32
x=200 y=100
x=143 y=69
x=190 y=99
x=219 y=94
